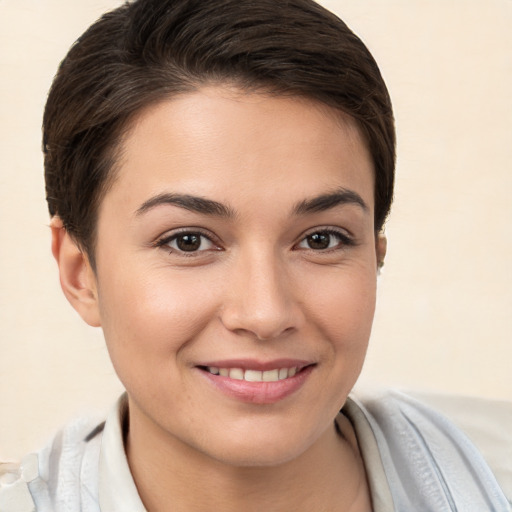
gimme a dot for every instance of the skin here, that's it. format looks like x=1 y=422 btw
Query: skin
x=256 y=288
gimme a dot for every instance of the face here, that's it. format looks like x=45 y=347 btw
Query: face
x=236 y=271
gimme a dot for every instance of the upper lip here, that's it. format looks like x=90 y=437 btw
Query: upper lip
x=254 y=364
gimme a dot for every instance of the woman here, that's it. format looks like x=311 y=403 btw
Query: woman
x=218 y=175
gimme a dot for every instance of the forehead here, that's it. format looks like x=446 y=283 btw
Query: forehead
x=223 y=142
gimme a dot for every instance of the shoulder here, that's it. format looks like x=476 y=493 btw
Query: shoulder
x=458 y=442
x=56 y=476
x=487 y=423
x=14 y=492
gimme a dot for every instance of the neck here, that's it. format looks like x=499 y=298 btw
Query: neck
x=328 y=476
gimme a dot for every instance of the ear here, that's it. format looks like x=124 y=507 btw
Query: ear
x=381 y=247
x=77 y=278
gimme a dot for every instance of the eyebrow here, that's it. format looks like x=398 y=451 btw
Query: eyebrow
x=188 y=202
x=210 y=207
x=327 y=201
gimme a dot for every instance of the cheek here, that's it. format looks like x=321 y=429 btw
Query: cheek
x=342 y=305
x=149 y=318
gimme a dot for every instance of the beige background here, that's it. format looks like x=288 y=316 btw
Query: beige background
x=444 y=314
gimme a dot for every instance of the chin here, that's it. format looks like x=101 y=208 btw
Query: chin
x=260 y=447
x=255 y=456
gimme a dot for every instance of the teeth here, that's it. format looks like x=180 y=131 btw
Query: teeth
x=270 y=376
x=254 y=375
x=236 y=373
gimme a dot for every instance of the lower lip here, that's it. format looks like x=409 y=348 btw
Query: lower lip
x=259 y=392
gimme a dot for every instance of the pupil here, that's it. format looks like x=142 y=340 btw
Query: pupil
x=319 y=241
x=189 y=242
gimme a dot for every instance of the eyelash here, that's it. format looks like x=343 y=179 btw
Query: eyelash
x=343 y=241
x=165 y=242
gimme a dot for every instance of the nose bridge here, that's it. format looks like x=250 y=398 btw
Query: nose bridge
x=261 y=300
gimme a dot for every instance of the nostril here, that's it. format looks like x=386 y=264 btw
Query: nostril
x=274 y=335
x=263 y=335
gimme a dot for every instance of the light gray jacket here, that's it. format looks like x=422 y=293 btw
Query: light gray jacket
x=416 y=460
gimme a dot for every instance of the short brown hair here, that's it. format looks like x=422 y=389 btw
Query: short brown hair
x=147 y=50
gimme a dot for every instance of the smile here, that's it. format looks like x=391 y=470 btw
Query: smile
x=254 y=375
x=257 y=383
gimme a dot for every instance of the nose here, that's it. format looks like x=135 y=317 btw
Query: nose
x=260 y=299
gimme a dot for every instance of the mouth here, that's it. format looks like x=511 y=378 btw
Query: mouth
x=273 y=375
x=256 y=383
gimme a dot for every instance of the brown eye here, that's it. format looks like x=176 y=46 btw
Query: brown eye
x=323 y=240
x=189 y=242
x=319 y=240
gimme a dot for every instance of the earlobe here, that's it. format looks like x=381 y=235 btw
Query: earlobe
x=381 y=247
x=77 y=278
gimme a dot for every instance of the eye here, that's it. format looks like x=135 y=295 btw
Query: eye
x=187 y=242
x=324 y=240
